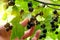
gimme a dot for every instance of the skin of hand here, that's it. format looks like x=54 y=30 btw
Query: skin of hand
x=4 y=35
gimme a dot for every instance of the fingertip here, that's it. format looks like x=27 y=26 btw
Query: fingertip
x=28 y=32
x=24 y=22
x=34 y=38
x=37 y=33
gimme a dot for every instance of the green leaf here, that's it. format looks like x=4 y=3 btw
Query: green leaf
x=18 y=29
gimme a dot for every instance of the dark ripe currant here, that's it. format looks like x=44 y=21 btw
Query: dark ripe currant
x=10 y=27
x=32 y=18
x=30 y=4
x=30 y=9
x=43 y=26
x=32 y=24
x=6 y=25
x=44 y=36
x=52 y=22
x=56 y=19
x=41 y=36
x=11 y=3
x=56 y=26
x=53 y=29
x=53 y=26
x=55 y=11
x=28 y=26
x=7 y=29
x=44 y=30
x=56 y=32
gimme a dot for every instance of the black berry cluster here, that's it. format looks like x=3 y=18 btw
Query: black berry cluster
x=44 y=32
x=55 y=19
x=42 y=36
x=53 y=26
x=31 y=22
x=30 y=8
x=8 y=26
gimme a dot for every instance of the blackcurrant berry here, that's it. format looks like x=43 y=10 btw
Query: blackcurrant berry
x=11 y=3
x=6 y=25
x=53 y=29
x=41 y=36
x=44 y=30
x=10 y=27
x=44 y=35
x=43 y=26
x=52 y=22
x=53 y=26
x=56 y=26
x=28 y=26
x=7 y=29
x=56 y=19
x=30 y=9
x=30 y=4
x=32 y=18
x=55 y=11
x=56 y=32
x=32 y=24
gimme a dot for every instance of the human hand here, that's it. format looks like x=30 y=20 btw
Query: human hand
x=4 y=35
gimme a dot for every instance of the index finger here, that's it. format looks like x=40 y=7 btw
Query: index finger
x=24 y=22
